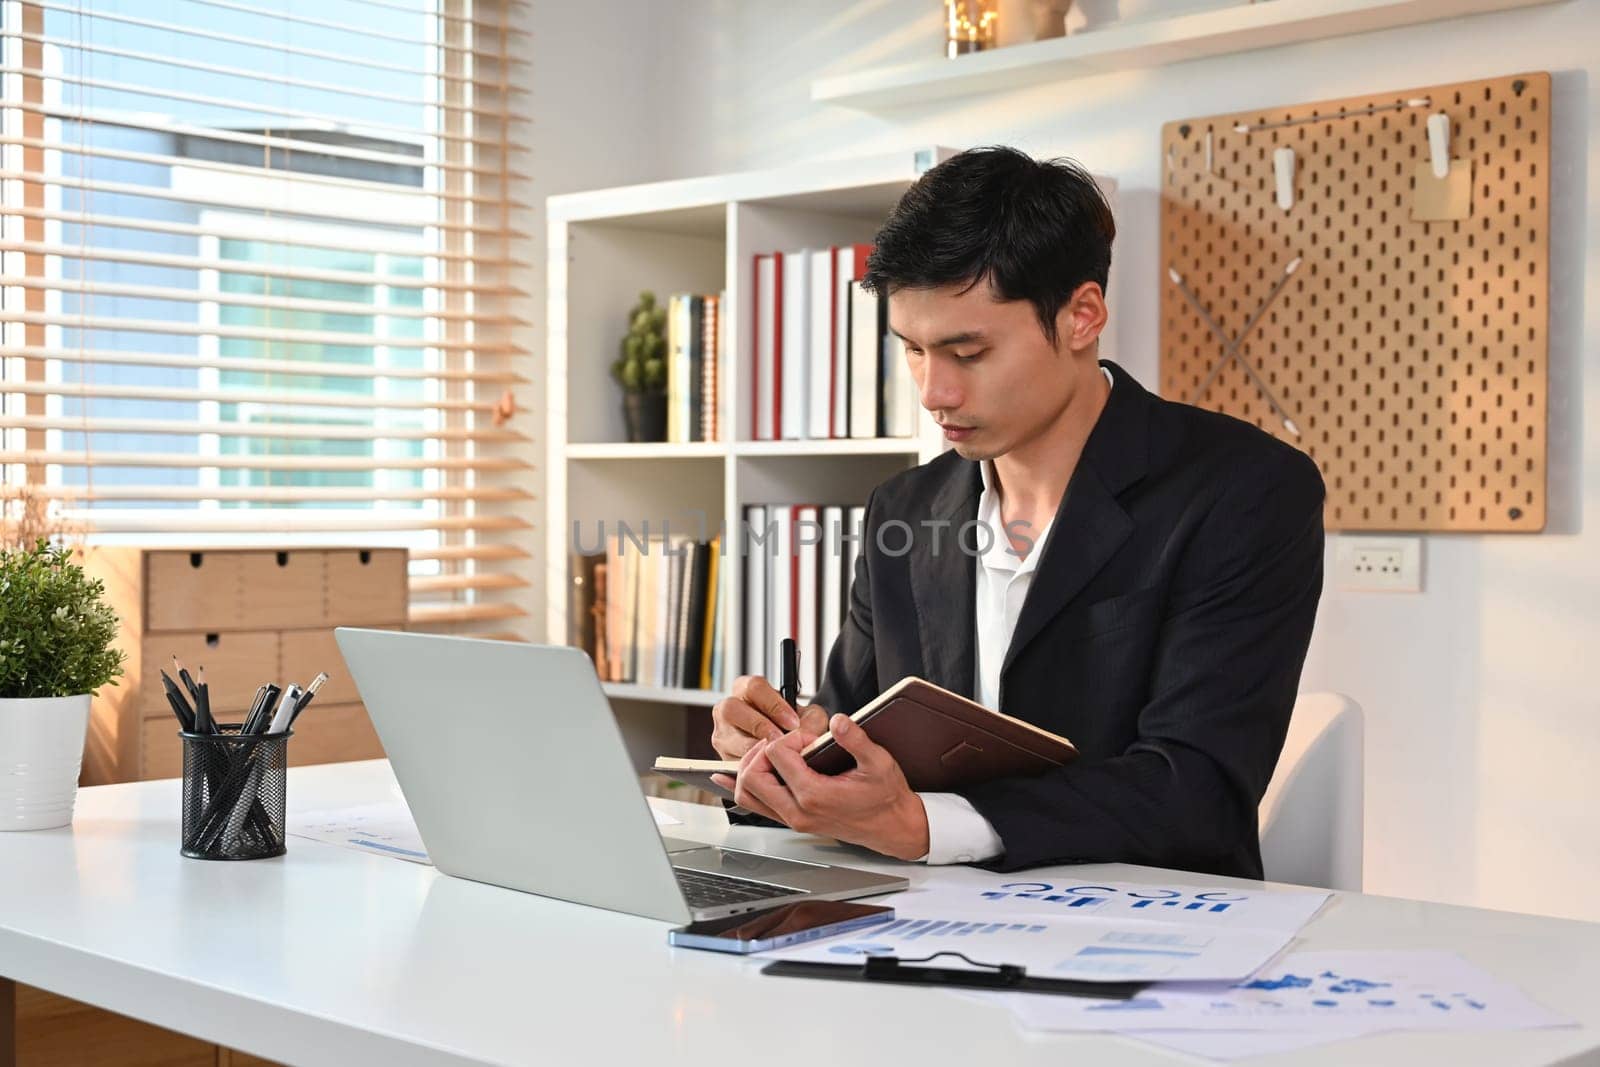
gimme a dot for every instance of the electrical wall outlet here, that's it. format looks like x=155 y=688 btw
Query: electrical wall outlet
x=1379 y=564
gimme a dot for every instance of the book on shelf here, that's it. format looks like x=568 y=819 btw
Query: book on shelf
x=849 y=266
x=942 y=741
x=824 y=363
x=866 y=345
x=819 y=354
x=830 y=593
x=797 y=566
x=807 y=571
x=654 y=606
x=588 y=571
x=694 y=344
x=756 y=562
x=794 y=351
x=713 y=329
x=765 y=386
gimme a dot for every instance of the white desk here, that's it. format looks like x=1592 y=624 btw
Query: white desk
x=330 y=956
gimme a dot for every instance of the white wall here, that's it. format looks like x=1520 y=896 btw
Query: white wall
x=1483 y=733
x=606 y=86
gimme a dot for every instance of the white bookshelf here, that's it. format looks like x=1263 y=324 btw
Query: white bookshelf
x=1136 y=45
x=696 y=235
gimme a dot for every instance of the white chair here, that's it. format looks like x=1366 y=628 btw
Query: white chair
x=1311 y=816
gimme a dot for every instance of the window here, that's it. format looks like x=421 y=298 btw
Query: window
x=254 y=266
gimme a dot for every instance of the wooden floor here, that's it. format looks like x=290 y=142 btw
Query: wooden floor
x=39 y=1029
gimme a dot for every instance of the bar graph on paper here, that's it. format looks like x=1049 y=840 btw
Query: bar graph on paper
x=1088 y=948
x=933 y=930
x=1183 y=905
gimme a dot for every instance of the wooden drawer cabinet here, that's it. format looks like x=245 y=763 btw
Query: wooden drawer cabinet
x=249 y=616
x=249 y=589
x=362 y=588
x=282 y=589
x=233 y=663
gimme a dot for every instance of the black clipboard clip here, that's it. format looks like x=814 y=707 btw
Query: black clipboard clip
x=1006 y=977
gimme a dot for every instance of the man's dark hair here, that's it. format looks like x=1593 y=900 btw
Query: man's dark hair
x=1034 y=230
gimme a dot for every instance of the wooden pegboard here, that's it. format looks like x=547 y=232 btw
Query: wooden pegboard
x=1412 y=356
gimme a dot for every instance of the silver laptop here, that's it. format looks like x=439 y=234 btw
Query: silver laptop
x=515 y=771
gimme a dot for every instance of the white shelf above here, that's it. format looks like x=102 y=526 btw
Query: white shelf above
x=1138 y=46
x=648 y=450
x=656 y=694
x=622 y=450
x=865 y=446
x=861 y=185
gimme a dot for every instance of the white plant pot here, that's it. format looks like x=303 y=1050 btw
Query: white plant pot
x=41 y=750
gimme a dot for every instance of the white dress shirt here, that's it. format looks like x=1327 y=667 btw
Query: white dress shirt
x=956 y=832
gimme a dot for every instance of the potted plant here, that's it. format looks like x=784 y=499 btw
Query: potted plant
x=56 y=649
x=641 y=370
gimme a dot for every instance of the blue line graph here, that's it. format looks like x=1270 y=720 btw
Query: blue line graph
x=1101 y=950
x=362 y=842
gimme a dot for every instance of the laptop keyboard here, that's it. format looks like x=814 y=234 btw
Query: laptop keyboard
x=703 y=890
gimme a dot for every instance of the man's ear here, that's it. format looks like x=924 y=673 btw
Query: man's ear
x=1082 y=318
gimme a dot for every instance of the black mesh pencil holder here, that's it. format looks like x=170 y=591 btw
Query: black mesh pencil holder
x=233 y=794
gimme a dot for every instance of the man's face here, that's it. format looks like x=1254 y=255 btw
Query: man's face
x=984 y=369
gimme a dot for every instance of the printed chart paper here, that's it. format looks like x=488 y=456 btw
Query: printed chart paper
x=1339 y=991
x=382 y=829
x=1093 y=950
x=1284 y=911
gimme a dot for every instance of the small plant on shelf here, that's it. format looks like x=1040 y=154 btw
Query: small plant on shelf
x=641 y=370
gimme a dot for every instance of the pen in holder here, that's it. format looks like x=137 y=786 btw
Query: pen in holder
x=234 y=789
x=235 y=775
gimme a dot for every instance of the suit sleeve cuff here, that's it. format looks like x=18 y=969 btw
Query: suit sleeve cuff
x=956 y=832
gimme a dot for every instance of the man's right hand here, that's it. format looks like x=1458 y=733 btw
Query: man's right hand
x=757 y=712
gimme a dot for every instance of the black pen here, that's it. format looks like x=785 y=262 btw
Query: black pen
x=269 y=703
x=306 y=697
x=255 y=710
x=789 y=683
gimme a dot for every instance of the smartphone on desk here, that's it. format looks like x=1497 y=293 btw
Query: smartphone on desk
x=788 y=924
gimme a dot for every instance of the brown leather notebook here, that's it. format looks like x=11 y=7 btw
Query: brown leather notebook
x=942 y=741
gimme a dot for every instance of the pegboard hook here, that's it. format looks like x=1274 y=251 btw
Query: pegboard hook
x=1439 y=144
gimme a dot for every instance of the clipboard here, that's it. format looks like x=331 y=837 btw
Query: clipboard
x=1005 y=977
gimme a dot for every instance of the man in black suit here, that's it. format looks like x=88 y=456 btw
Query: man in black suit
x=1147 y=590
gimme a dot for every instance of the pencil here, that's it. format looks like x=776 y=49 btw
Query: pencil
x=202 y=706
x=183 y=676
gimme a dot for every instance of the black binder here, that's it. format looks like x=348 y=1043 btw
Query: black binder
x=1004 y=977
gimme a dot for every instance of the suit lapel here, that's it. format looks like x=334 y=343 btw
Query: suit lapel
x=1090 y=525
x=944 y=586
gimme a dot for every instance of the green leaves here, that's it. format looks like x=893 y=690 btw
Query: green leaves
x=56 y=634
x=642 y=366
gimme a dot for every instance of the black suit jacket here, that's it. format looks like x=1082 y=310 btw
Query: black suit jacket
x=1163 y=632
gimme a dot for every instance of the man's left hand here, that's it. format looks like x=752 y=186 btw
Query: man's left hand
x=870 y=805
